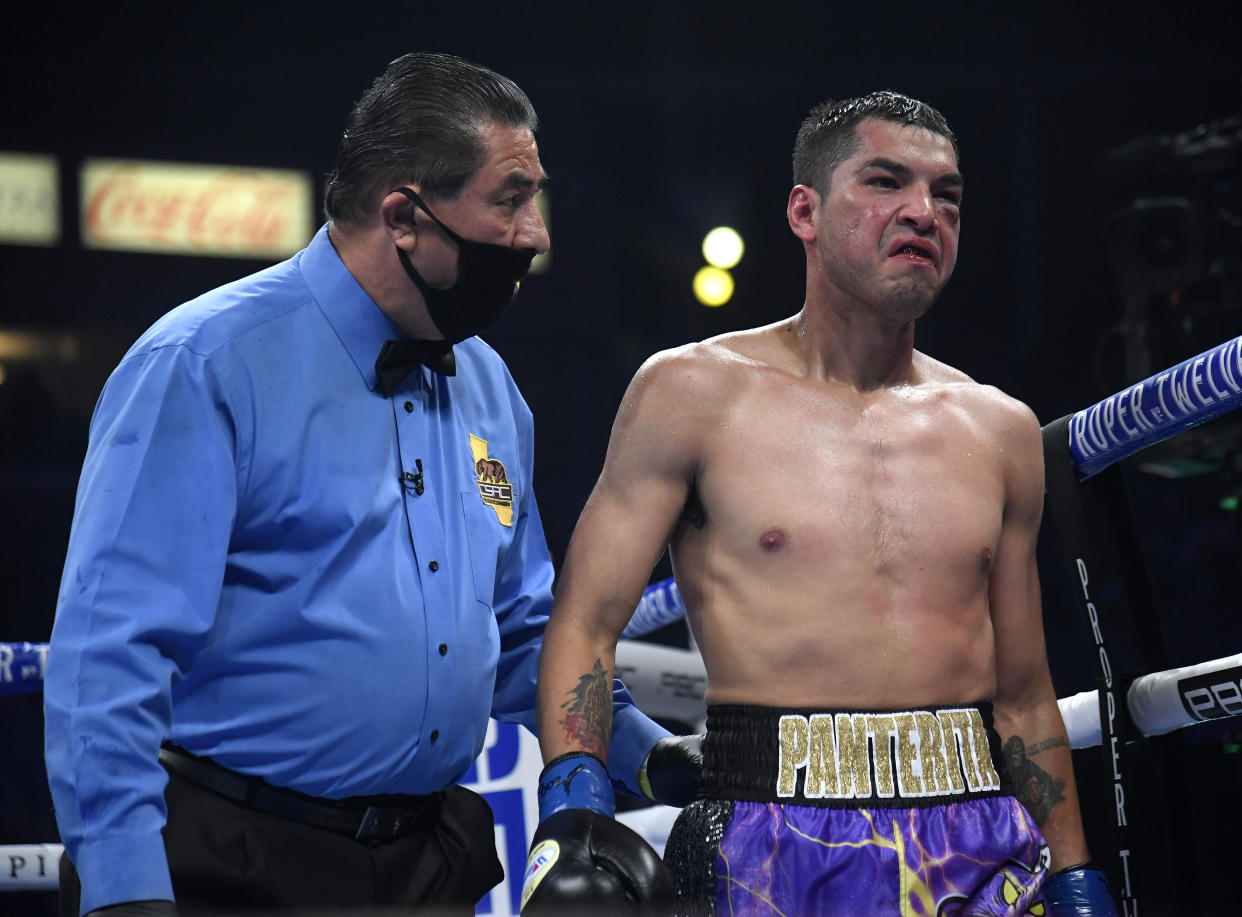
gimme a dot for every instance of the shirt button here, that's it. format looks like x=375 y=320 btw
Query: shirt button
x=443 y=649
x=433 y=566
x=409 y=407
x=435 y=734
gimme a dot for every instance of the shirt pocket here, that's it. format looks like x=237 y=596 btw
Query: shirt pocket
x=484 y=544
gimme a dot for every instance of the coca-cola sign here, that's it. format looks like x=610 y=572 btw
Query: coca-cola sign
x=195 y=209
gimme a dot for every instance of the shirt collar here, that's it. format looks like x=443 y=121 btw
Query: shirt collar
x=358 y=322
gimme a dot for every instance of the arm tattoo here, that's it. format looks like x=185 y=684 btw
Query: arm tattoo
x=1033 y=786
x=1054 y=742
x=588 y=712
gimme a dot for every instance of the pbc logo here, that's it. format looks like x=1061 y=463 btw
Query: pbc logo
x=1212 y=696
x=494 y=487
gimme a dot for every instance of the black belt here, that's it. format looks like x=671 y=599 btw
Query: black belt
x=370 y=824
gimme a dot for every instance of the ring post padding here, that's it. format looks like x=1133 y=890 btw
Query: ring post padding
x=1176 y=399
x=1065 y=499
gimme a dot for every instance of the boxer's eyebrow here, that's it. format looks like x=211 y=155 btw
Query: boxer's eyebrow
x=888 y=165
x=948 y=179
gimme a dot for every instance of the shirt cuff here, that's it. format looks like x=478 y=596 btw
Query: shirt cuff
x=123 y=867
x=633 y=734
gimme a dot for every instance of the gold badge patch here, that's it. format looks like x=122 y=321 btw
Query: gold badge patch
x=494 y=487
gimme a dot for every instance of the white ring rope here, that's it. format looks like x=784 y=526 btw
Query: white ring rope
x=1163 y=701
x=673 y=680
x=29 y=867
x=669 y=683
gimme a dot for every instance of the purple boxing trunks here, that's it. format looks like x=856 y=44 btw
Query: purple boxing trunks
x=806 y=812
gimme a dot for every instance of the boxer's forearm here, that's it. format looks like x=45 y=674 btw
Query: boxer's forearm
x=1037 y=756
x=1062 y=826
x=574 y=694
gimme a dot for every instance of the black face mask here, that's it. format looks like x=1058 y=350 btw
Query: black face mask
x=487 y=279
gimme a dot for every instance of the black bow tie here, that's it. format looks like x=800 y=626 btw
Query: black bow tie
x=398 y=358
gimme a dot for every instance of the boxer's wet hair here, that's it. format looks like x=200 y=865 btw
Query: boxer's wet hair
x=828 y=137
x=422 y=121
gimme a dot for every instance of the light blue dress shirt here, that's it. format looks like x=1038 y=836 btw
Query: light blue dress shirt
x=254 y=573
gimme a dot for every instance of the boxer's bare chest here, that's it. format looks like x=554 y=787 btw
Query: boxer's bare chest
x=880 y=481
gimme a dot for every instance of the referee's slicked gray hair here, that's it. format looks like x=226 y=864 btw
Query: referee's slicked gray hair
x=421 y=122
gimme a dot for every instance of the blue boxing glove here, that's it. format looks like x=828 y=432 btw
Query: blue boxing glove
x=673 y=770
x=1079 y=891
x=581 y=857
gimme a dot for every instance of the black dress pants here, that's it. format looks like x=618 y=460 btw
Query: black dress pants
x=228 y=859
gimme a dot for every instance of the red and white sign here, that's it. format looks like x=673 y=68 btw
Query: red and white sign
x=177 y=208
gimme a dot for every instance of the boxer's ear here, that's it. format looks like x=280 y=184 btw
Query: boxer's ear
x=800 y=210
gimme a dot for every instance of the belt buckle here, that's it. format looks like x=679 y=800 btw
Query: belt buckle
x=366 y=825
x=378 y=825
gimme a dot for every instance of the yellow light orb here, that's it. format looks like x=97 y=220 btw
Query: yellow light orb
x=722 y=247
x=713 y=286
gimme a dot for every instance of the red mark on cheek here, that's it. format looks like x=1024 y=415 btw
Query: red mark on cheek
x=773 y=540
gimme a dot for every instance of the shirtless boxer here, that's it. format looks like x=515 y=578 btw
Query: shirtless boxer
x=852 y=525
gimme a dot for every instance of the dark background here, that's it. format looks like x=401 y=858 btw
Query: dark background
x=660 y=121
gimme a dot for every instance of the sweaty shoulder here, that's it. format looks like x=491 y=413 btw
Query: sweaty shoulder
x=1006 y=416
x=987 y=402
x=692 y=374
x=680 y=396
x=1013 y=433
x=999 y=419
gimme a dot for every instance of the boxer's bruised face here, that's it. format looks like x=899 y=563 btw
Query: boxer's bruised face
x=887 y=229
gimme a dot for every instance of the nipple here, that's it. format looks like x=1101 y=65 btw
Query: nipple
x=773 y=540
x=985 y=559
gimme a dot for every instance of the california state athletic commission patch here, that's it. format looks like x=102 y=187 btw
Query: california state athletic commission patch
x=493 y=481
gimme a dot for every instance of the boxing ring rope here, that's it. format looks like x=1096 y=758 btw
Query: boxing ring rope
x=669 y=682
x=1165 y=404
x=1161 y=702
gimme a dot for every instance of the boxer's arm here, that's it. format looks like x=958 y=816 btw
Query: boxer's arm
x=1025 y=706
x=581 y=858
x=620 y=536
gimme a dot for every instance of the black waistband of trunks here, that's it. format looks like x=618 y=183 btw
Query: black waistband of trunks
x=852 y=758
